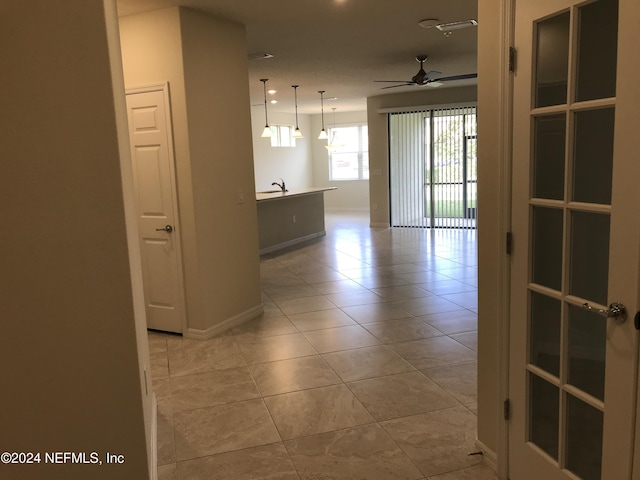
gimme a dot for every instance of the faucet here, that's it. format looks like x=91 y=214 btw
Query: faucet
x=282 y=186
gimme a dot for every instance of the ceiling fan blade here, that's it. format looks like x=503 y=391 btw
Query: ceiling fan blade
x=401 y=85
x=392 y=81
x=433 y=74
x=456 y=77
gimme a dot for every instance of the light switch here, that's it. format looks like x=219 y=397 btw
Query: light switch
x=240 y=196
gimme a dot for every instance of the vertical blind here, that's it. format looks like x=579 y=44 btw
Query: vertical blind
x=433 y=168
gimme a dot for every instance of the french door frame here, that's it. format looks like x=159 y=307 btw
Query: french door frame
x=507 y=62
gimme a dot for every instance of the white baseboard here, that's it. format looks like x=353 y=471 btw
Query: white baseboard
x=280 y=246
x=154 y=438
x=489 y=456
x=225 y=325
x=379 y=224
x=346 y=209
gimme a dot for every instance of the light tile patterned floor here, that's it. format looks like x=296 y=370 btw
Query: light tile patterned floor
x=363 y=366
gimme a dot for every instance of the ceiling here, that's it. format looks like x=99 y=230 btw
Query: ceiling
x=340 y=46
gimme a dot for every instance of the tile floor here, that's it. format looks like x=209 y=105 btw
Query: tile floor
x=363 y=366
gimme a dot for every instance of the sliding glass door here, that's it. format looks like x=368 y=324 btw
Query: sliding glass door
x=433 y=168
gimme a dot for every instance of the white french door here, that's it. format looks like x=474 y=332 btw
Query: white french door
x=573 y=366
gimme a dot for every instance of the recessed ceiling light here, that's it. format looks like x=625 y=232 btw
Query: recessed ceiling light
x=274 y=101
x=447 y=27
x=429 y=22
x=271 y=91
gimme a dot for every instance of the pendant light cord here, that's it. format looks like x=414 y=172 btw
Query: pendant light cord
x=321 y=92
x=295 y=93
x=264 y=85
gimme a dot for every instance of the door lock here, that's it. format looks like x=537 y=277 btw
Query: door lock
x=166 y=228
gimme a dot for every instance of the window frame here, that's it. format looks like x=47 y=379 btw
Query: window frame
x=363 y=148
x=277 y=134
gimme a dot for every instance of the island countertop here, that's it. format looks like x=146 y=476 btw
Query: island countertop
x=295 y=192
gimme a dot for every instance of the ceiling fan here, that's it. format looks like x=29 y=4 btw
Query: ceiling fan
x=422 y=78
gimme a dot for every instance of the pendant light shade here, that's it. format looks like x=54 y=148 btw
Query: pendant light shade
x=297 y=133
x=323 y=133
x=267 y=129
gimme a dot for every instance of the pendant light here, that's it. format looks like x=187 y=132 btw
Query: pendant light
x=323 y=133
x=267 y=129
x=333 y=143
x=297 y=133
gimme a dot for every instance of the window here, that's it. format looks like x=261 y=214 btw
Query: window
x=282 y=136
x=349 y=160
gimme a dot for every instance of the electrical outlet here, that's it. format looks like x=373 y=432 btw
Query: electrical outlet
x=240 y=196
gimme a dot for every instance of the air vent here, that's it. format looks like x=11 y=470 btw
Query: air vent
x=448 y=27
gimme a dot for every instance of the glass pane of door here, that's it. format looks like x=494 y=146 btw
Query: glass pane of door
x=596 y=69
x=548 y=156
x=587 y=348
x=584 y=439
x=593 y=159
x=552 y=60
x=544 y=417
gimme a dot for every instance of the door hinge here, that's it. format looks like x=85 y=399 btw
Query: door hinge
x=506 y=409
x=512 y=59
x=509 y=243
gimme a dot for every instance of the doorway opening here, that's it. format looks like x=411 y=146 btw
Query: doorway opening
x=434 y=168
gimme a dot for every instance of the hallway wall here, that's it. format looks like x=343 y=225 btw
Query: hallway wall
x=73 y=347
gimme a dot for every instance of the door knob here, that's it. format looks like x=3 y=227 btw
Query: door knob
x=166 y=228
x=616 y=310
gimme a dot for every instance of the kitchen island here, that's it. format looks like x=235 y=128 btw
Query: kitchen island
x=294 y=216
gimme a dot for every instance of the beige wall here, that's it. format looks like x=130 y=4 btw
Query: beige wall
x=72 y=361
x=204 y=61
x=379 y=138
x=293 y=164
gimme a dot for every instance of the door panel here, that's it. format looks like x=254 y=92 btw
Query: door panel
x=151 y=151
x=572 y=371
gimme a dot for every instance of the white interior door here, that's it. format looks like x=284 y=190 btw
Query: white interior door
x=153 y=165
x=573 y=372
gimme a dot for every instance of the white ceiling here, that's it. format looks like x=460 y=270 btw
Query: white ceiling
x=340 y=46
